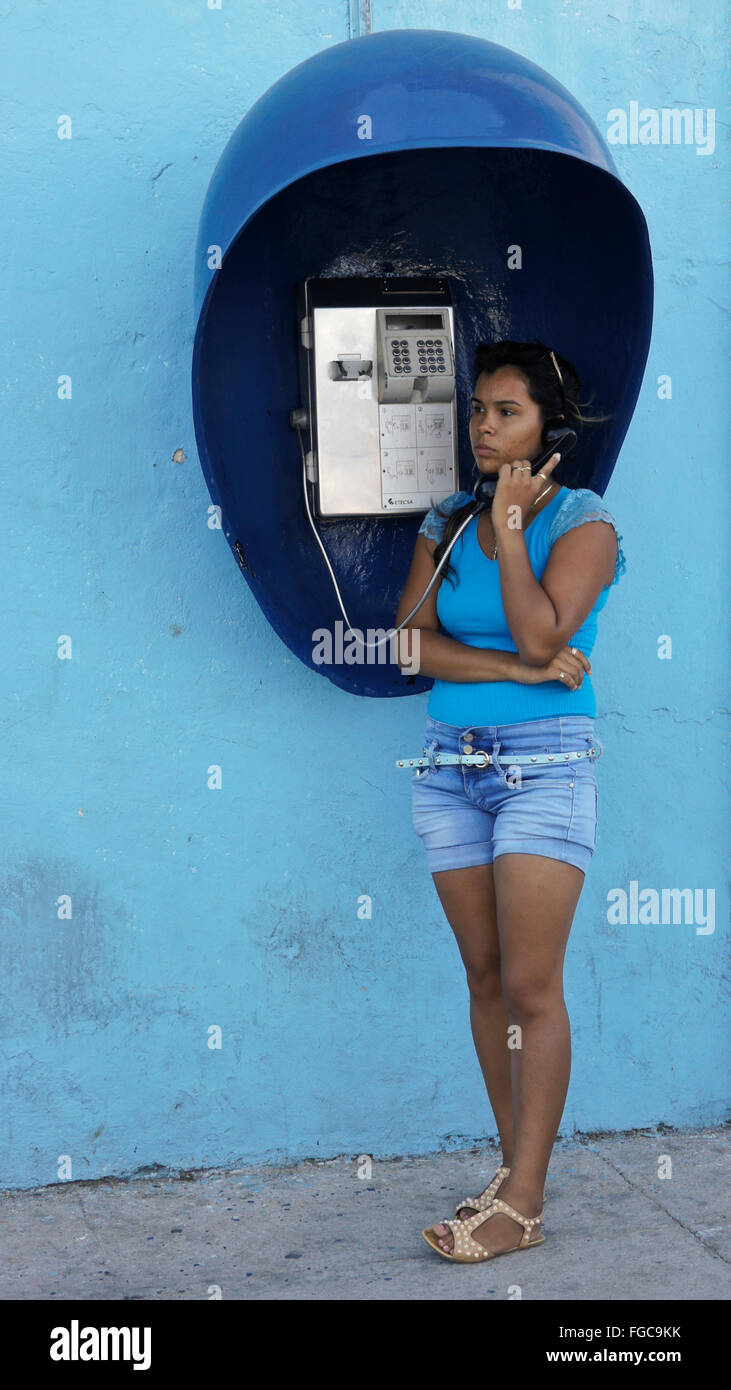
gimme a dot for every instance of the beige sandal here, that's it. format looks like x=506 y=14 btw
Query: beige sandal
x=466 y=1250
x=487 y=1197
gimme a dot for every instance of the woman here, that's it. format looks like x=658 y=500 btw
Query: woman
x=509 y=843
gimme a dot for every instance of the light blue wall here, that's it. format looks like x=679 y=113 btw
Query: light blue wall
x=239 y=907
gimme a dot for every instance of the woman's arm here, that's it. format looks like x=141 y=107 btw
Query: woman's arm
x=448 y=660
x=443 y=657
x=542 y=616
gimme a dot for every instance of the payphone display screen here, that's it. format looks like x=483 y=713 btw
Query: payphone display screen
x=412 y=323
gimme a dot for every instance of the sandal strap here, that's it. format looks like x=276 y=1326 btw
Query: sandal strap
x=483 y=1201
x=473 y=1202
x=463 y=1242
x=527 y=1222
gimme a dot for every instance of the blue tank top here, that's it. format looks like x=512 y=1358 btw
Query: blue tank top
x=472 y=612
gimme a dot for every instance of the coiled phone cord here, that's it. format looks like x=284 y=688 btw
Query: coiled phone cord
x=478 y=507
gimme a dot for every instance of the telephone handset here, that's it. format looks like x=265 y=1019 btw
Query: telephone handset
x=562 y=440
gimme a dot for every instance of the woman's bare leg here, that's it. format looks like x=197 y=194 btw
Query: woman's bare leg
x=468 y=899
x=536 y=899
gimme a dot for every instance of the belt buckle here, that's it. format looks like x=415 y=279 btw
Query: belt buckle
x=485 y=755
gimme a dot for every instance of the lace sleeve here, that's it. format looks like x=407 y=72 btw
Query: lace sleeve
x=433 y=524
x=584 y=505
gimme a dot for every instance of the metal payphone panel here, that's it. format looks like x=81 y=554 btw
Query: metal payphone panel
x=380 y=382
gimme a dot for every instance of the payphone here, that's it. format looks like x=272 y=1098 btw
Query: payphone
x=377 y=377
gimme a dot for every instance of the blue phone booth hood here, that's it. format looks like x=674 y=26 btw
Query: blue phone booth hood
x=407 y=152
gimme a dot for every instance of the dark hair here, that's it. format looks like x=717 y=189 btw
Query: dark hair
x=556 y=399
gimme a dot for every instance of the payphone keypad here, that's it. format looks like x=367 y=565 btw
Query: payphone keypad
x=429 y=352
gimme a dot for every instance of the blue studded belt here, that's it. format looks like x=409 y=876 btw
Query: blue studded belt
x=479 y=758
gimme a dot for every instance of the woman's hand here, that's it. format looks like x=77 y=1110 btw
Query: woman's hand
x=573 y=667
x=517 y=487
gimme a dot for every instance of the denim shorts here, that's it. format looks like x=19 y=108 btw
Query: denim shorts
x=470 y=815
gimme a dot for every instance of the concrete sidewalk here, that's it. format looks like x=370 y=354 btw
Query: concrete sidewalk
x=316 y=1230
